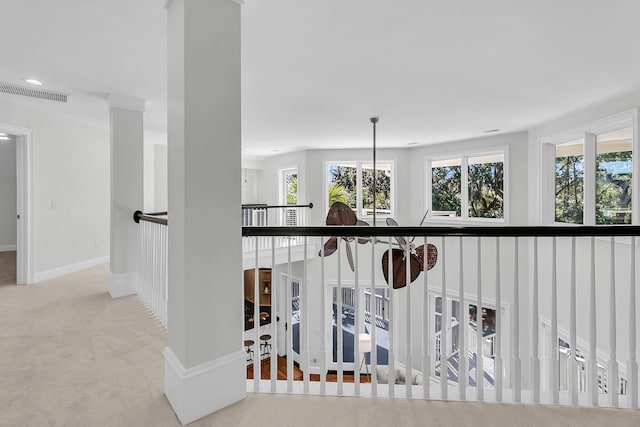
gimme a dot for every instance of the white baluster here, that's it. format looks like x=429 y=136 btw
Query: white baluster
x=289 y=315
x=479 y=330
x=632 y=364
x=554 y=372
x=573 y=362
x=613 y=383
x=323 y=323
x=409 y=359
x=392 y=371
x=463 y=316
x=304 y=322
x=516 y=379
x=274 y=317
x=256 y=325
x=426 y=343
x=535 y=322
x=373 y=358
x=356 y=327
x=444 y=361
x=593 y=361
x=498 y=328
x=340 y=349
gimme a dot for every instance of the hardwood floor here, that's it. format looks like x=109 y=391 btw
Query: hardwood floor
x=298 y=374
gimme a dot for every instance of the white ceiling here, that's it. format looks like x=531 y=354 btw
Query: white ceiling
x=314 y=71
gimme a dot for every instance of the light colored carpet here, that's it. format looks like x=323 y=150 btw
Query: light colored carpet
x=71 y=356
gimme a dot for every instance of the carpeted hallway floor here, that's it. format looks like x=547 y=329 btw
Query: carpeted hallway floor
x=71 y=356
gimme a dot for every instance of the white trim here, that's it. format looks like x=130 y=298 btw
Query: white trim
x=126 y=102
x=24 y=199
x=587 y=132
x=359 y=209
x=60 y=271
x=122 y=284
x=464 y=187
x=7 y=248
x=201 y=390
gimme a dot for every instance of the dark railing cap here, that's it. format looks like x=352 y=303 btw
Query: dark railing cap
x=489 y=231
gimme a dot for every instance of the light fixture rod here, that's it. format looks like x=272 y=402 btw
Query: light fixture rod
x=374 y=120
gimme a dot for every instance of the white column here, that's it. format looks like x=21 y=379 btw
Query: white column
x=204 y=361
x=126 y=192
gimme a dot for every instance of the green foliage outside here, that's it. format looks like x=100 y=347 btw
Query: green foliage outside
x=570 y=189
x=445 y=189
x=292 y=190
x=486 y=190
x=342 y=185
x=613 y=187
x=383 y=189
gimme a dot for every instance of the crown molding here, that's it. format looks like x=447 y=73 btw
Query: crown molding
x=168 y=3
x=126 y=102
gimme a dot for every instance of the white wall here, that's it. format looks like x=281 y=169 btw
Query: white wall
x=70 y=184
x=159 y=186
x=7 y=195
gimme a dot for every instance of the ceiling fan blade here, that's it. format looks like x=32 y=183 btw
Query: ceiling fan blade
x=330 y=246
x=350 y=256
x=341 y=214
x=363 y=240
x=398 y=268
x=432 y=256
x=401 y=240
x=421 y=222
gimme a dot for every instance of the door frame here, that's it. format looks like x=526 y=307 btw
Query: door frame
x=24 y=201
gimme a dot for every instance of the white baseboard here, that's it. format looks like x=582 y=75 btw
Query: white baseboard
x=7 y=248
x=123 y=284
x=61 y=271
x=199 y=391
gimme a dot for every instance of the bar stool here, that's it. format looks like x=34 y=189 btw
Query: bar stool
x=265 y=346
x=264 y=317
x=249 y=344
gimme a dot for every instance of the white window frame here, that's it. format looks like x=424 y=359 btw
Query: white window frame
x=587 y=132
x=359 y=210
x=282 y=191
x=464 y=186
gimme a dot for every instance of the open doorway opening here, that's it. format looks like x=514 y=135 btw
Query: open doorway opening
x=8 y=209
x=15 y=210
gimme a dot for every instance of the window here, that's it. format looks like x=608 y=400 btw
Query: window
x=569 y=202
x=352 y=184
x=289 y=196
x=475 y=183
x=593 y=173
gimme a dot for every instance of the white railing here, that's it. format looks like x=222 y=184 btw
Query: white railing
x=152 y=266
x=263 y=215
x=581 y=306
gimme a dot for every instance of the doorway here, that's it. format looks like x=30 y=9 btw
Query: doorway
x=21 y=214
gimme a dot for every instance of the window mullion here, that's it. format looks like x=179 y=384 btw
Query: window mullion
x=464 y=188
x=589 y=179
x=359 y=190
x=635 y=178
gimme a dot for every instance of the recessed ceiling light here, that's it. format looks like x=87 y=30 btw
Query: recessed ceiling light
x=275 y=150
x=33 y=82
x=412 y=143
x=4 y=138
x=492 y=130
x=247 y=149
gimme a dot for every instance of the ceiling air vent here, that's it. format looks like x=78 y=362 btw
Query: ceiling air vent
x=33 y=92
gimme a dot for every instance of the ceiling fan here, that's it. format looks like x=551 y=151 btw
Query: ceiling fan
x=341 y=214
x=398 y=258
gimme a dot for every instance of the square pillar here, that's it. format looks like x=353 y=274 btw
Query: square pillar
x=205 y=367
x=126 y=192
